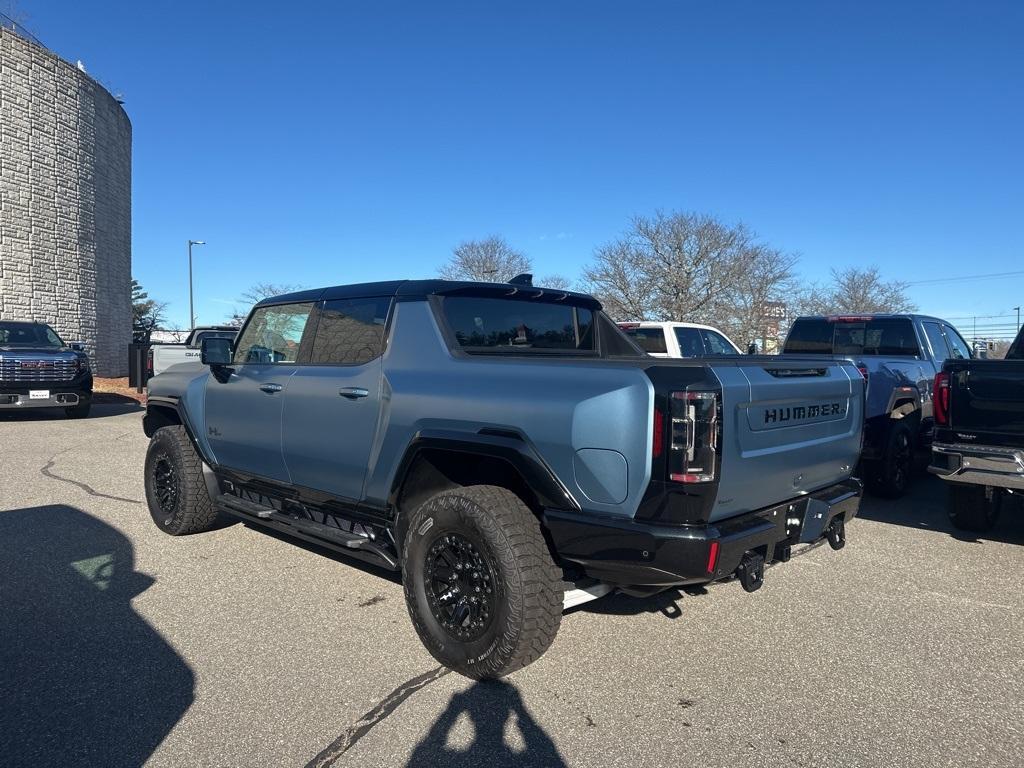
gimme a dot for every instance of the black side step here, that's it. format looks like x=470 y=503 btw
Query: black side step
x=349 y=543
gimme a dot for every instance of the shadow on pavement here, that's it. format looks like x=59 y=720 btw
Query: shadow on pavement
x=491 y=708
x=84 y=680
x=666 y=603
x=99 y=411
x=924 y=508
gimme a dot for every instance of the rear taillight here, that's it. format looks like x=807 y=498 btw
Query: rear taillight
x=149 y=362
x=693 y=445
x=658 y=443
x=863 y=371
x=940 y=399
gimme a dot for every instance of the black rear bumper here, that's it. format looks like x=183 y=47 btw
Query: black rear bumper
x=628 y=553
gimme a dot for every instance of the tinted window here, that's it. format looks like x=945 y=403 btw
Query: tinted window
x=350 y=331
x=810 y=335
x=649 y=339
x=484 y=324
x=690 y=343
x=937 y=340
x=960 y=349
x=273 y=334
x=716 y=343
x=887 y=336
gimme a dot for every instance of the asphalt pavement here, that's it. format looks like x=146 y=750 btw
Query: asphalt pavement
x=121 y=646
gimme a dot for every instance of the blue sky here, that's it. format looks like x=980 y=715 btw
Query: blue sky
x=323 y=143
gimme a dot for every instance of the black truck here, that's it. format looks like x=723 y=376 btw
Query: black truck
x=39 y=370
x=979 y=435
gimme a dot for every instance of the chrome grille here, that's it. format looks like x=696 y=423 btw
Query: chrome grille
x=33 y=369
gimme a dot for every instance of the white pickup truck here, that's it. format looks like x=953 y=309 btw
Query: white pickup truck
x=667 y=339
x=163 y=356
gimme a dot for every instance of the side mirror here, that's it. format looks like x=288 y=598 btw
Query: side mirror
x=752 y=348
x=78 y=346
x=215 y=351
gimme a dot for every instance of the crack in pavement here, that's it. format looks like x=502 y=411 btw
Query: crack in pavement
x=362 y=726
x=85 y=487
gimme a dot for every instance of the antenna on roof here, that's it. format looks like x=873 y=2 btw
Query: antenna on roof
x=524 y=279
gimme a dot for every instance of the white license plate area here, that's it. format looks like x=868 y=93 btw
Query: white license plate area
x=39 y=394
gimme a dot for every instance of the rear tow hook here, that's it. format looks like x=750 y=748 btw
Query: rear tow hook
x=750 y=572
x=836 y=533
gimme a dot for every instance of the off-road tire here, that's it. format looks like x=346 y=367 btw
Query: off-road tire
x=527 y=608
x=969 y=510
x=889 y=476
x=191 y=509
x=79 y=411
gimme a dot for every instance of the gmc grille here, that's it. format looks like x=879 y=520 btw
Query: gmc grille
x=16 y=369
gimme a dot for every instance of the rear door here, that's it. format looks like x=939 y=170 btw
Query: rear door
x=243 y=412
x=796 y=428
x=691 y=344
x=333 y=403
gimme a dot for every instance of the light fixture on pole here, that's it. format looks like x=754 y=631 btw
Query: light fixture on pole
x=191 y=311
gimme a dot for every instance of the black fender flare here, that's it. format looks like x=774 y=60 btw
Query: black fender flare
x=508 y=445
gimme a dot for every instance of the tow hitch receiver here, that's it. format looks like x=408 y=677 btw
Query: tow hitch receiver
x=750 y=571
x=836 y=533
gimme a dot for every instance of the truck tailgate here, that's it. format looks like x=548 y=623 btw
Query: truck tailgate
x=987 y=401
x=796 y=428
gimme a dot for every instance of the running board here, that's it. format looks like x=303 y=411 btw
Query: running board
x=309 y=530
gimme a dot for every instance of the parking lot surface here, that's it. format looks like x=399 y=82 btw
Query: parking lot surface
x=120 y=645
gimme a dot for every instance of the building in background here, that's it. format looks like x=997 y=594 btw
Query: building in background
x=65 y=201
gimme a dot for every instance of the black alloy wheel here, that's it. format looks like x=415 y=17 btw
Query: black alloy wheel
x=460 y=586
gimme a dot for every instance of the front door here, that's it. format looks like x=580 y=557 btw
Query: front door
x=243 y=412
x=332 y=405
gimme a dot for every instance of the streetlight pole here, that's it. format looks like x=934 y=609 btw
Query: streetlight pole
x=191 y=311
x=1018 y=318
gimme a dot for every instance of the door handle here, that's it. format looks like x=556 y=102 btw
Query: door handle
x=270 y=388
x=353 y=393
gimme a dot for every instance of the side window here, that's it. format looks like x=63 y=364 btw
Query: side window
x=273 y=335
x=716 y=343
x=350 y=331
x=960 y=349
x=690 y=344
x=937 y=340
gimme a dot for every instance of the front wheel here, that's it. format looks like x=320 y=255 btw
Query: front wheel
x=481 y=587
x=175 y=489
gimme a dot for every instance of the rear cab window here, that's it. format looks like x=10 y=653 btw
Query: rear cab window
x=649 y=339
x=492 y=325
x=884 y=336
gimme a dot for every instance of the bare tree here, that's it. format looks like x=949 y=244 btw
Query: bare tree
x=676 y=266
x=557 y=282
x=491 y=260
x=750 y=309
x=855 y=290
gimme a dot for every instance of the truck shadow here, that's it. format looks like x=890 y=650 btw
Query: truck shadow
x=85 y=680
x=924 y=508
x=491 y=708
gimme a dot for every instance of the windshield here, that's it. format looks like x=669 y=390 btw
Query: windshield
x=28 y=335
x=887 y=336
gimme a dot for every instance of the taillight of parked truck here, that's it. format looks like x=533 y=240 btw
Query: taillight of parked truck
x=940 y=399
x=693 y=444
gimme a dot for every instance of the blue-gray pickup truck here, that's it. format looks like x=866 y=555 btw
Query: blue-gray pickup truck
x=898 y=356
x=501 y=444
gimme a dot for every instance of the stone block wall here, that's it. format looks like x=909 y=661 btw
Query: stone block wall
x=65 y=203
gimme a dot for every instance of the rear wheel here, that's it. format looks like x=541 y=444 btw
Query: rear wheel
x=970 y=509
x=175 y=489
x=890 y=475
x=482 y=588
